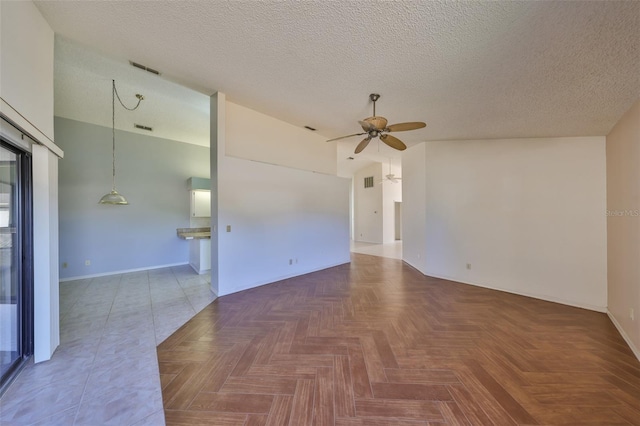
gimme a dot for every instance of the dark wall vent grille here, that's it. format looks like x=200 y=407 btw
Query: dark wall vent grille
x=368 y=182
x=145 y=68
x=141 y=127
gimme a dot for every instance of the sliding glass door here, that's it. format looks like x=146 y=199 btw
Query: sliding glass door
x=16 y=297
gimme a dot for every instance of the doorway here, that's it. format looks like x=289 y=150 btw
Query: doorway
x=398 y=220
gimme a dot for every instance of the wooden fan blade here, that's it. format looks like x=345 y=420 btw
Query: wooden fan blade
x=366 y=126
x=348 y=136
x=393 y=142
x=402 y=127
x=362 y=145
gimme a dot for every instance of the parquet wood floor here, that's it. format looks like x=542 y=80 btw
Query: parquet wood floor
x=377 y=343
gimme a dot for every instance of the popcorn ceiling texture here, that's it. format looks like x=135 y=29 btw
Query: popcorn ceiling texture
x=471 y=70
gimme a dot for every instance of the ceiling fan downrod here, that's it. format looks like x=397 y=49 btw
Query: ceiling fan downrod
x=374 y=97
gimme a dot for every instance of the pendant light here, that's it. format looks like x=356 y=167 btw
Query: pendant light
x=114 y=197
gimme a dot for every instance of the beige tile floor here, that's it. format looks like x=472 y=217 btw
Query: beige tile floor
x=105 y=371
x=392 y=250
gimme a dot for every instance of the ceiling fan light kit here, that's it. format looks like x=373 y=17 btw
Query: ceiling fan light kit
x=375 y=126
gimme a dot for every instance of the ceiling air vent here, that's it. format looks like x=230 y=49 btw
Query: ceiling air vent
x=141 y=127
x=142 y=67
x=310 y=128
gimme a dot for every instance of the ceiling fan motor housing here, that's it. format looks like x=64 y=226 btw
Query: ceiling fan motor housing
x=380 y=123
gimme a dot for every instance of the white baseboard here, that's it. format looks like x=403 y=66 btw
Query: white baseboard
x=413 y=266
x=197 y=270
x=126 y=271
x=624 y=335
x=283 y=277
x=546 y=298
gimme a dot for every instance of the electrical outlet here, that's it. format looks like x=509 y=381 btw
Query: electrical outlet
x=87 y=262
x=631 y=314
x=468 y=266
x=290 y=261
x=228 y=228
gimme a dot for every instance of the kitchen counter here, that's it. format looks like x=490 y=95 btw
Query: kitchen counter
x=199 y=247
x=194 y=233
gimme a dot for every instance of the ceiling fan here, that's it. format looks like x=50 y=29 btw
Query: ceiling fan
x=377 y=127
x=391 y=176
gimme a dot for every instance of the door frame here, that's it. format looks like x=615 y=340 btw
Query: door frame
x=13 y=140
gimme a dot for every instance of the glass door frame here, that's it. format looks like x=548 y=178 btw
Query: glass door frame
x=24 y=224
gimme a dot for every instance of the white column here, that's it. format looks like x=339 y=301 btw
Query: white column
x=217 y=132
x=45 y=253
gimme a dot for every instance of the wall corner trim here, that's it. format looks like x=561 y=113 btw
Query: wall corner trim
x=624 y=335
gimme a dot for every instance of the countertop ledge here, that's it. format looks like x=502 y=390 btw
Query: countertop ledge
x=194 y=233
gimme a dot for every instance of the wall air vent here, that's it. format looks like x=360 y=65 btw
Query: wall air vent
x=368 y=182
x=142 y=67
x=141 y=127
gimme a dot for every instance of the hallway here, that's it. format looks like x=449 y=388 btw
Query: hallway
x=390 y=250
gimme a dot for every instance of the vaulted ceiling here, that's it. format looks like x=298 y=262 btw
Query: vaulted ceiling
x=471 y=70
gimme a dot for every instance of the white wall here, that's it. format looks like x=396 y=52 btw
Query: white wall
x=368 y=206
x=26 y=89
x=255 y=136
x=527 y=214
x=283 y=221
x=26 y=70
x=277 y=214
x=623 y=225
x=414 y=216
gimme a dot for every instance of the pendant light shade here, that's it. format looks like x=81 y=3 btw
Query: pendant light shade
x=114 y=197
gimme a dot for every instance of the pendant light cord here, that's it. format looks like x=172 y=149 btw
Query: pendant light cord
x=114 y=94
x=113 y=134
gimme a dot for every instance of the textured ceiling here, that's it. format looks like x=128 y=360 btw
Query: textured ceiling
x=471 y=70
